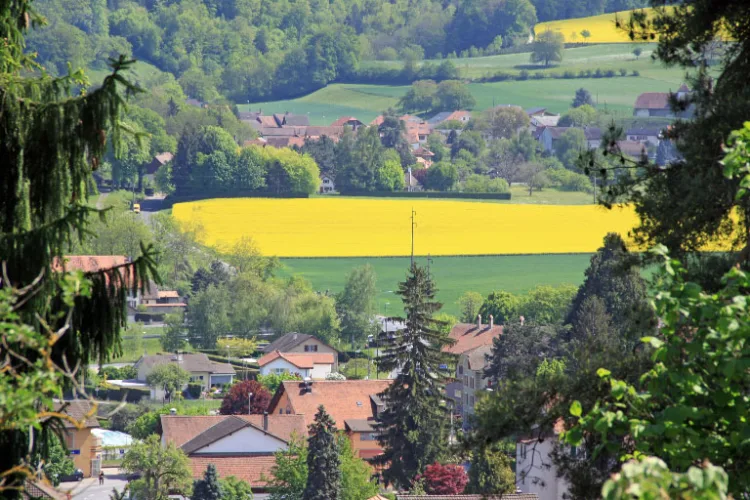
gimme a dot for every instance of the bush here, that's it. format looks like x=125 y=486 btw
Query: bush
x=610 y=73
x=566 y=180
x=568 y=74
x=598 y=73
x=449 y=479
x=623 y=72
x=502 y=76
x=523 y=75
x=335 y=376
x=124 y=416
x=636 y=73
x=356 y=369
x=193 y=391
x=539 y=75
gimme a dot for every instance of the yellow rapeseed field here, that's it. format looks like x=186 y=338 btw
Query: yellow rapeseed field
x=359 y=227
x=602 y=28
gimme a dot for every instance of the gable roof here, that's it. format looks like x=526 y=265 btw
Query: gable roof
x=468 y=336
x=439 y=118
x=333 y=131
x=555 y=132
x=344 y=120
x=89 y=263
x=220 y=430
x=631 y=148
x=196 y=362
x=81 y=411
x=343 y=399
x=593 y=133
x=299 y=359
x=643 y=131
x=652 y=100
x=181 y=429
x=267 y=121
x=477 y=357
x=359 y=424
x=461 y=115
x=289 y=341
x=378 y=120
x=537 y=110
x=683 y=88
x=296 y=120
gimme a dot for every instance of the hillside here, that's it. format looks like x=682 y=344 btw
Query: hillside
x=602 y=28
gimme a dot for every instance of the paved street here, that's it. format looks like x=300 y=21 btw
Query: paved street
x=91 y=490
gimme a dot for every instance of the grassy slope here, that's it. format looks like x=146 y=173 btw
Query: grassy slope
x=618 y=94
x=453 y=275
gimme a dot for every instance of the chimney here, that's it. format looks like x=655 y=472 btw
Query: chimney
x=265 y=421
x=295 y=336
x=479 y=321
x=173 y=411
x=521 y=319
x=492 y=321
x=179 y=357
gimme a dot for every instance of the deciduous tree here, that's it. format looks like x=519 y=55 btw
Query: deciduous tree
x=245 y=398
x=548 y=47
x=169 y=377
x=164 y=469
x=448 y=479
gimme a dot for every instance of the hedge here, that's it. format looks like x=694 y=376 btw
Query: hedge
x=181 y=198
x=429 y=194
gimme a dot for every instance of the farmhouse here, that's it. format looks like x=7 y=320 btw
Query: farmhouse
x=657 y=104
x=327 y=184
x=353 y=405
x=644 y=135
x=159 y=160
x=349 y=121
x=313 y=365
x=238 y=445
x=548 y=136
x=445 y=116
x=302 y=343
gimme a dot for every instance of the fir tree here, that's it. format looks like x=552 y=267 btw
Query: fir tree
x=51 y=141
x=412 y=428
x=207 y=488
x=323 y=462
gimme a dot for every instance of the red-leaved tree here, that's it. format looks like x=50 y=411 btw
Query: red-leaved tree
x=449 y=479
x=237 y=399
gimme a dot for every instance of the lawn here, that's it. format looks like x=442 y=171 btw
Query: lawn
x=381 y=227
x=614 y=94
x=453 y=275
x=132 y=350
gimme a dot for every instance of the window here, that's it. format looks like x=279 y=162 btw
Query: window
x=460 y=369
x=278 y=371
x=311 y=348
x=457 y=393
x=471 y=401
x=471 y=383
x=522 y=448
x=466 y=380
x=281 y=411
x=466 y=399
x=368 y=436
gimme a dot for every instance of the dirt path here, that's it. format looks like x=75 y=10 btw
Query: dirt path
x=100 y=201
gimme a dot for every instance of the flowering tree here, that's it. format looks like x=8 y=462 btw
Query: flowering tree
x=448 y=479
x=239 y=396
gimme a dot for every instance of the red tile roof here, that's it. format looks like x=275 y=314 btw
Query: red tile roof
x=252 y=468
x=179 y=429
x=378 y=120
x=89 y=263
x=342 y=399
x=168 y=294
x=343 y=121
x=300 y=360
x=459 y=115
x=468 y=336
x=652 y=100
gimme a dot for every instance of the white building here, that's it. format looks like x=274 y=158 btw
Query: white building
x=535 y=471
x=326 y=184
x=314 y=365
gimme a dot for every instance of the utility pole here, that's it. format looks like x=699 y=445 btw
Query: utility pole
x=413 y=225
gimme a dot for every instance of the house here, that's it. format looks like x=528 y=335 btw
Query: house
x=505 y=496
x=352 y=404
x=202 y=370
x=540 y=117
x=472 y=342
x=300 y=342
x=312 y=365
x=96 y=263
x=424 y=156
x=412 y=184
x=644 y=135
x=445 y=116
x=156 y=163
x=238 y=445
x=417 y=131
x=548 y=136
x=84 y=447
x=316 y=132
x=349 y=121
x=327 y=185
x=536 y=474
x=657 y=104
x=157 y=303
x=593 y=136
x=285 y=142
x=633 y=149
x=291 y=120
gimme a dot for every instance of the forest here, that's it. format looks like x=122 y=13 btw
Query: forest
x=259 y=50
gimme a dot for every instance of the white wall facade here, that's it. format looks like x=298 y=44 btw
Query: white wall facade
x=320 y=371
x=246 y=440
x=284 y=365
x=535 y=472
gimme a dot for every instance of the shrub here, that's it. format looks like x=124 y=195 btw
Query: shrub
x=449 y=479
x=356 y=369
x=335 y=376
x=194 y=391
x=568 y=75
x=523 y=75
x=236 y=400
x=610 y=73
x=623 y=72
x=598 y=73
x=636 y=73
x=502 y=76
x=566 y=180
x=539 y=75
x=554 y=75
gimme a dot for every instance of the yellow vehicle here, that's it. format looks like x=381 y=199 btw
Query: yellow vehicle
x=137 y=208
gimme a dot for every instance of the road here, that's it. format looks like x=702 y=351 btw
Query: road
x=113 y=478
x=150 y=205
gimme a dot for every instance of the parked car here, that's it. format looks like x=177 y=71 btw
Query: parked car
x=76 y=476
x=133 y=476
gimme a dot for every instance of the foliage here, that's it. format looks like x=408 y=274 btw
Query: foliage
x=441 y=176
x=545 y=304
x=547 y=47
x=650 y=479
x=477 y=183
x=238 y=398
x=691 y=385
x=169 y=377
x=124 y=416
x=272 y=381
x=58 y=463
x=490 y=472
x=503 y=121
x=355 y=304
x=163 y=469
x=580 y=116
x=470 y=303
x=571 y=144
x=567 y=180
x=452 y=95
x=501 y=305
x=172 y=338
x=582 y=97
x=208 y=488
x=356 y=474
x=237 y=346
x=357 y=369
x=149 y=422
x=448 y=479
x=235 y=489
x=289 y=473
x=323 y=462
x=412 y=429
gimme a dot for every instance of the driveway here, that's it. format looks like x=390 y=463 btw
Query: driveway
x=150 y=205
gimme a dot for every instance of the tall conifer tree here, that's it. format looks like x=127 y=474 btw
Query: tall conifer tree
x=413 y=427
x=323 y=462
x=208 y=488
x=52 y=138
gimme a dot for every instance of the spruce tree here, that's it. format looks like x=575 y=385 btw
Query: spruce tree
x=207 y=488
x=413 y=427
x=323 y=462
x=52 y=137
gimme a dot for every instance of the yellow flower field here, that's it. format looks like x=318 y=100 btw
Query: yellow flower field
x=359 y=227
x=602 y=28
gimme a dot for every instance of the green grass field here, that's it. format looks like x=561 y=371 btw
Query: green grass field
x=453 y=275
x=614 y=94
